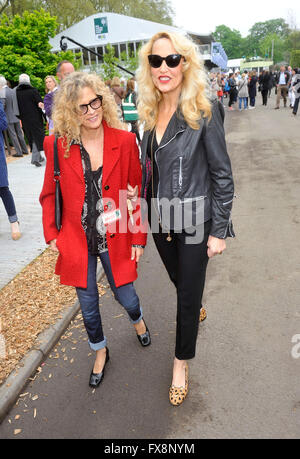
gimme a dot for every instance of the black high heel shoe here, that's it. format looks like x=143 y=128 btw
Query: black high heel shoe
x=144 y=339
x=97 y=378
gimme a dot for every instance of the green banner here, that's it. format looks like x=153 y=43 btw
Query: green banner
x=101 y=25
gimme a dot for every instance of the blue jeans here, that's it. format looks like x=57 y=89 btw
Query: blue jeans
x=240 y=102
x=89 y=301
x=9 y=204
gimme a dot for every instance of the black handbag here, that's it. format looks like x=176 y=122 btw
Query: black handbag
x=58 y=195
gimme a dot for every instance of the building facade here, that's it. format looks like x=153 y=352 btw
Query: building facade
x=126 y=34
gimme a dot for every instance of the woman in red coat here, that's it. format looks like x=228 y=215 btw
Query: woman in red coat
x=97 y=160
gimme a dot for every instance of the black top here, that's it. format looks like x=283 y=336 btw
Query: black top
x=92 y=211
x=155 y=169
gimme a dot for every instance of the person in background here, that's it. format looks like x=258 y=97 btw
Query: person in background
x=282 y=84
x=296 y=89
x=232 y=91
x=214 y=85
x=221 y=85
x=51 y=87
x=130 y=113
x=5 y=193
x=291 y=90
x=13 y=123
x=252 y=88
x=264 y=86
x=272 y=83
x=63 y=69
x=31 y=116
x=118 y=93
x=243 y=92
x=97 y=160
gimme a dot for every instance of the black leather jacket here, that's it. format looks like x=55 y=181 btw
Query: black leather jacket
x=193 y=165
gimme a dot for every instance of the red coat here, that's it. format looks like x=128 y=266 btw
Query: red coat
x=120 y=166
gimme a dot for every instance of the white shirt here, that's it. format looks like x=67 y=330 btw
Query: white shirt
x=282 y=79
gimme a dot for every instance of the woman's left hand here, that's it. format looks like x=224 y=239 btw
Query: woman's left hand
x=215 y=246
x=136 y=253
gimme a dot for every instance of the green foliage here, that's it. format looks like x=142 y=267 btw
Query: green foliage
x=70 y=12
x=152 y=10
x=109 y=69
x=259 y=41
x=25 y=48
x=231 y=40
x=266 y=44
x=295 y=58
x=131 y=62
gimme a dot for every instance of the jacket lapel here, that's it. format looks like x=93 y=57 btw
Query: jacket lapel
x=74 y=161
x=111 y=151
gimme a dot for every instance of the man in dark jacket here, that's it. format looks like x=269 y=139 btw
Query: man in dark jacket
x=31 y=116
x=13 y=123
x=282 y=82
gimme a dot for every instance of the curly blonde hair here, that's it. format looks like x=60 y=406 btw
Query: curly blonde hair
x=64 y=114
x=194 y=100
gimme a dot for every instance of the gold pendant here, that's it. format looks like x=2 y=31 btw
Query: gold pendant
x=169 y=238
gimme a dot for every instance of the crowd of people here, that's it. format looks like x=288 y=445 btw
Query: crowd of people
x=244 y=88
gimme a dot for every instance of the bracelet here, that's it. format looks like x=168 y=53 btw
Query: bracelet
x=138 y=246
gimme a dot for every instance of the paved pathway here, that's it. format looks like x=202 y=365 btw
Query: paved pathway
x=25 y=181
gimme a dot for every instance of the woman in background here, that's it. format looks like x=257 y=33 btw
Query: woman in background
x=5 y=193
x=51 y=87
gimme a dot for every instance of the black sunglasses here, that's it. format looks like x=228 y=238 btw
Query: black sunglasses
x=94 y=104
x=172 y=61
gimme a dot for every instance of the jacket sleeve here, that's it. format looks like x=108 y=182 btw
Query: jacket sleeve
x=47 y=196
x=220 y=173
x=48 y=104
x=135 y=178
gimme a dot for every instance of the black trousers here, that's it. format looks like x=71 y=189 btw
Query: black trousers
x=264 y=95
x=186 y=265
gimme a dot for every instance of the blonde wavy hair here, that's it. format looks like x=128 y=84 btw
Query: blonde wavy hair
x=194 y=100
x=65 y=116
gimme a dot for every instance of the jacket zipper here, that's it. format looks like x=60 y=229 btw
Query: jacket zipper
x=180 y=172
x=155 y=157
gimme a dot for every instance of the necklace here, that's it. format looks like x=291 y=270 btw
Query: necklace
x=169 y=237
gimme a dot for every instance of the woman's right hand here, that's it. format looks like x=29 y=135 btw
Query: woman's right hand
x=53 y=246
x=132 y=193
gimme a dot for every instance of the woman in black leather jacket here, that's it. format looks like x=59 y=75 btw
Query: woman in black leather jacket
x=190 y=191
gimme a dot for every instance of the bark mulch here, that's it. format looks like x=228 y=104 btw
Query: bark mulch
x=29 y=304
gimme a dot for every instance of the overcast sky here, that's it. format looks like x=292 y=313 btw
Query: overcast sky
x=203 y=16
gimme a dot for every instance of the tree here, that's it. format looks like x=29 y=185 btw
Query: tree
x=108 y=68
x=260 y=30
x=69 y=12
x=152 y=10
x=275 y=42
x=295 y=58
x=231 y=40
x=25 y=48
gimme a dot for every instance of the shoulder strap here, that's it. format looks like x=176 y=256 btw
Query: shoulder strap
x=56 y=162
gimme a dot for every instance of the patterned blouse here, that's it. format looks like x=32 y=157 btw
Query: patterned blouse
x=91 y=218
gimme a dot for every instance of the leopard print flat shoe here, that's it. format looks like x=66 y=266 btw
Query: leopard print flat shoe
x=177 y=395
x=203 y=315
